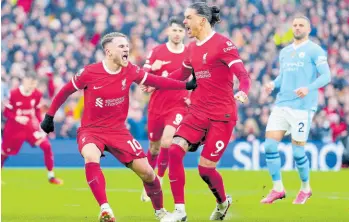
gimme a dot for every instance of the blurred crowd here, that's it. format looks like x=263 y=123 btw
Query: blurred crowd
x=59 y=37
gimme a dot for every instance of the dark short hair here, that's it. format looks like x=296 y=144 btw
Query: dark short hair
x=110 y=36
x=176 y=20
x=303 y=17
x=210 y=13
x=30 y=74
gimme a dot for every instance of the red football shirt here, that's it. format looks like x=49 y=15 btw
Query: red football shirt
x=162 y=101
x=106 y=94
x=23 y=105
x=211 y=60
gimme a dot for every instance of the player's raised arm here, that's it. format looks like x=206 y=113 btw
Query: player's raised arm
x=159 y=82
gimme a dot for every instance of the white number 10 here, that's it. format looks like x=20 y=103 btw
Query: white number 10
x=134 y=145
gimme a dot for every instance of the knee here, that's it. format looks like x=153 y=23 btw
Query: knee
x=166 y=142
x=154 y=147
x=148 y=175
x=91 y=153
x=271 y=146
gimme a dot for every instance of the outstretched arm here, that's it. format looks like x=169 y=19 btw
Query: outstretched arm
x=61 y=97
x=159 y=82
x=47 y=124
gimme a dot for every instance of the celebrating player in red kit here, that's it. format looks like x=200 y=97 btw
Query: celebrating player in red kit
x=166 y=107
x=106 y=100
x=212 y=113
x=23 y=118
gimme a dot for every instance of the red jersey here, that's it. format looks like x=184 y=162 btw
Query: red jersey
x=23 y=105
x=106 y=94
x=211 y=60
x=161 y=100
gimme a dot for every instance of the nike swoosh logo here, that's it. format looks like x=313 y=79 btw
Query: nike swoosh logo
x=166 y=62
x=97 y=87
x=89 y=182
x=214 y=154
x=171 y=181
x=137 y=154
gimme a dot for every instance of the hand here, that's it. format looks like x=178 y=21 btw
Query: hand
x=269 y=87
x=157 y=65
x=302 y=91
x=191 y=85
x=47 y=124
x=147 y=89
x=22 y=119
x=241 y=97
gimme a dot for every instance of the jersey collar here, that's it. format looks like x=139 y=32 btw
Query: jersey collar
x=298 y=46
x=200 y=43
x=108 y=71
x=21 y=90
x=179 y=51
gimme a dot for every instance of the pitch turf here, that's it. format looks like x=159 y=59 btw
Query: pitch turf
x=27 y=196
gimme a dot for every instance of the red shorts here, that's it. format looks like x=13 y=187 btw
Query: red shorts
x=157 y=123
x=14 y=137
x=217 y=134
x=120 y=143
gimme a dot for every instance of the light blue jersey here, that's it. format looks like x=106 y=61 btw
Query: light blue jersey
x=304 y=65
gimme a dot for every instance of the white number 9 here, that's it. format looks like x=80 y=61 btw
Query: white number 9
x=178 y=119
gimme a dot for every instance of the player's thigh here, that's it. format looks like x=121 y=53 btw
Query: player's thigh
x=142 y=168
x=192 y=130
x=91 y=145
x=124 y=147
x=155 y=126
x=301 y=123
x=12 y=142
x=278 y=124
x=172 y=121
x=217 y=140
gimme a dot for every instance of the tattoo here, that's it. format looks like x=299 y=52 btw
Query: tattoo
x=181 y=142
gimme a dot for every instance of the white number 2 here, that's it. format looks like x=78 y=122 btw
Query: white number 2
x=134 y=145
x=219 y=146
x=178 y=119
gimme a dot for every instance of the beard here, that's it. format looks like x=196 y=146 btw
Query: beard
x=300 y=36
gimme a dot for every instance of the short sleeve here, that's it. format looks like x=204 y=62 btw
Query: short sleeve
x=79 y=79
x=228 y=53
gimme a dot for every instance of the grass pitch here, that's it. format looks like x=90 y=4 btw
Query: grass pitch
x=27 y=196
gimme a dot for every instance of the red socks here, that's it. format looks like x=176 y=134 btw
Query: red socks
x=154 y=192
x=96 y=181
x=214 y=181
x=176 y=173
x=152 y=159
x=162 y=161
x=48 y=155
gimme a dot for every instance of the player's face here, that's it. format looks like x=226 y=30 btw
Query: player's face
x=118 y=50
x=300 y=28
x=176 y=33
x=29 y=84
x=193 y=22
